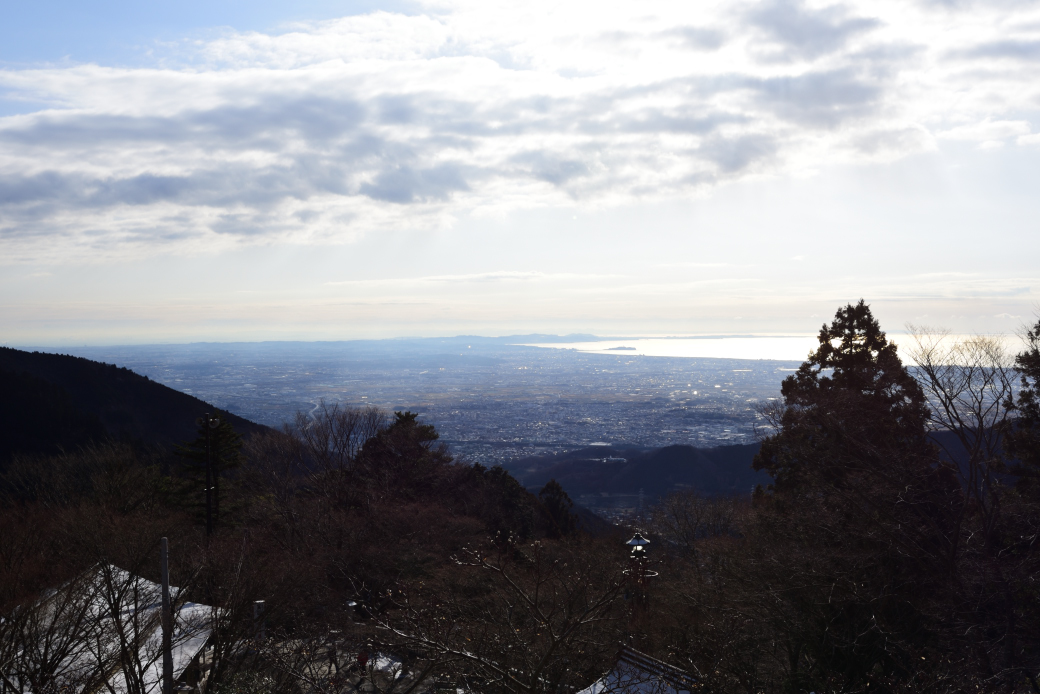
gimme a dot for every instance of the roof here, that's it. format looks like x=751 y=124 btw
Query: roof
x=638 y=673
x=109 y=622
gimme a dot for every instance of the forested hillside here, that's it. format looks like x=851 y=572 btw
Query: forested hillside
x=53 y=401
x=869 y=561
x=657 y=472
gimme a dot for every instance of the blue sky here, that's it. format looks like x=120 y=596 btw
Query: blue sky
x=329 y=170
x=127 y=33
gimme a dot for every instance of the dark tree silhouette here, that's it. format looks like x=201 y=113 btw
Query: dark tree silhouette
x=556 y=507
x=864 y=513
x=851 y=405
x=1024 y=443
x=219 y=447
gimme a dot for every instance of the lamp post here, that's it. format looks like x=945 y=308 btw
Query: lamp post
x=166 y=618
x=639 y=570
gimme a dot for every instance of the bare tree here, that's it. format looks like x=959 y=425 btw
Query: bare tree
x=688 y=516
x=969 y=384
x=323 y=660
x=334 y=434
x=541 y=618
x=45 y=644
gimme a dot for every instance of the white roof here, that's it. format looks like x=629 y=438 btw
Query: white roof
x=638 y=673
x=119 y=632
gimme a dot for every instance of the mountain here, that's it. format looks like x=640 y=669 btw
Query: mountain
x=53 y=401
x=604 y=470
x=655 y=472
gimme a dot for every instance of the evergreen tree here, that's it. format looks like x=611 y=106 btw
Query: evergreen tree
x=1024 y=442
x=216 y=449
x=556 y=507
x=863 y=516
x=401 y=460
x=851 y=407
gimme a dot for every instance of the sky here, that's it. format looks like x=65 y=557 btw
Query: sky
x=224 y=171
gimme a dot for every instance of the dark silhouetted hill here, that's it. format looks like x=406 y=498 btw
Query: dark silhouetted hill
x=660 y=471
x=603 y=470
x=52 y=401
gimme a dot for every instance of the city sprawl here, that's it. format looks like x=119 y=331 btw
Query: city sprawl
x=491 y=401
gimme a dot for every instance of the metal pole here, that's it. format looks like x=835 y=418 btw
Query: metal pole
x=259 y=620
x=167 y=620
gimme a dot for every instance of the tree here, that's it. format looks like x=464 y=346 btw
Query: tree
x=520 y=619
x=556 y=508
x=862 y=521
x=851 y=407
x=401 y=461
x=1024 y=441
x=216 y=450
x=969 y=384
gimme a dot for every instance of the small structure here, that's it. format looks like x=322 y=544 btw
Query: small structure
x=101 y=632
x=638 y=673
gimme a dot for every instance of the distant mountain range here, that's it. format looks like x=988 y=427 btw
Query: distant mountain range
x=50 y=402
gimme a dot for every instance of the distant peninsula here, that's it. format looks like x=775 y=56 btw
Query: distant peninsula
x=617 y=349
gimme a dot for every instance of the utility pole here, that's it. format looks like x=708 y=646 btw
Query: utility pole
x=167 y=619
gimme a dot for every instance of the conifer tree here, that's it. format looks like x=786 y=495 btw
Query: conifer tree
x=1024 y=442
x=862 y=512
x=556 y=506
x=218 y=447
x=851 y=407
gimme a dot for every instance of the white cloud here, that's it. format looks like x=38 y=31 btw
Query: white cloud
x=987 y=131
x=499 y=276
x=383 y=121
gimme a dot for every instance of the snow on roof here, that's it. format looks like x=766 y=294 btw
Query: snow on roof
x=110 y=620
x=192 y=628
x=638 y=673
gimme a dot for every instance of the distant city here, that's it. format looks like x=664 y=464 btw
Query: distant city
x=491 y=401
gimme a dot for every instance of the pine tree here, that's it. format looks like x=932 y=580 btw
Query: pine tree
x=1024 y=442
x=862 y=514
x=556 y=507
x=851 y=407
x=216 y=450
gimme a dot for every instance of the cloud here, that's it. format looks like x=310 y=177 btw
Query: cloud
x=820 y=99
x=697 y=38
x=406 y=185
x=736 y=154
x=987 y=131
x=480 y=277
x=801 y=32
x=1027 y=50
x=336 y=129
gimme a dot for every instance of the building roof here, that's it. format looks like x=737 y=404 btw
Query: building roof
x=638 y=673
x=108 y=621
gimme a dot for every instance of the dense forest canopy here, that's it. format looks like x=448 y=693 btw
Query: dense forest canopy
x=874 y=559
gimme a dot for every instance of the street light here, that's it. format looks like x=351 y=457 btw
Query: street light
x=639 y=569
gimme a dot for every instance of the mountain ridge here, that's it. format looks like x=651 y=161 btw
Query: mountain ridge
x=53 y=402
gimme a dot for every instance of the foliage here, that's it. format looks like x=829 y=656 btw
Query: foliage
x=1024 y=442
x=870 y=564
x=556 y=508
x=215 y=452
x=850 y=407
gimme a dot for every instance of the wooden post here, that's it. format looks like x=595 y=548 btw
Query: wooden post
x=167 y=620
